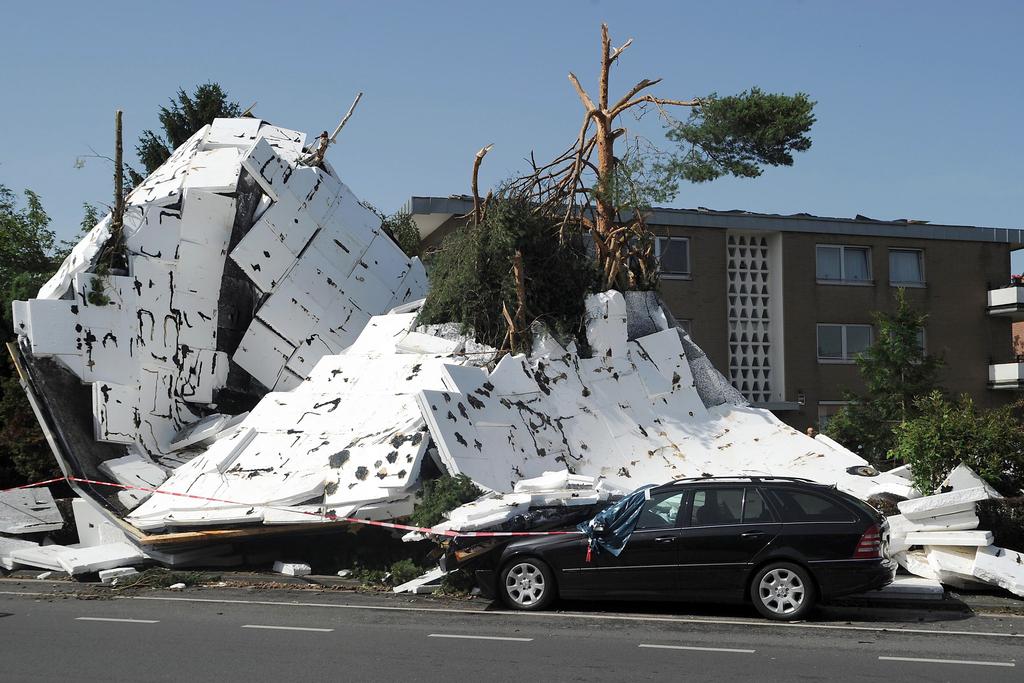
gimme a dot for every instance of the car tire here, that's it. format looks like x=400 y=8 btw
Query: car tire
x=527 y=583
x=783 y=591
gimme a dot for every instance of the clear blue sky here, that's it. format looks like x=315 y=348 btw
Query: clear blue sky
x=919 y=103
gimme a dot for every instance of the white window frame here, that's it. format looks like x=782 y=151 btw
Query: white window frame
x=920 y=260
x=842 y=266
x=673 y=274
x=847 y=358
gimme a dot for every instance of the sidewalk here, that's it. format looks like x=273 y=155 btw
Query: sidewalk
x=905 y=593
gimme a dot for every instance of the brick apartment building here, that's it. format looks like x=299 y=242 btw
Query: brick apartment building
x=781 y=304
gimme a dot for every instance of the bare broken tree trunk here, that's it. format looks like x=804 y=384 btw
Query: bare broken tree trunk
x=478 y=214
x=624 y=262
x=117 y=218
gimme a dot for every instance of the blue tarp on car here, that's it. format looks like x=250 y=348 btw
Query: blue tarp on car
x=618 y=522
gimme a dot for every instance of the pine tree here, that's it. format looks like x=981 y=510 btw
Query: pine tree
x=186 y=115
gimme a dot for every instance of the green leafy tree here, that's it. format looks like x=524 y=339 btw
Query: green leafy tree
x=896 y=373
x=442 y=495
x=26 y=240
x=27 y=260
x=185 y=115
x=403 y=230
x=474 y=282
x=945 y=433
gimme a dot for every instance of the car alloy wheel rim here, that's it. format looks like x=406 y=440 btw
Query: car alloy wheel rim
x=525 y=584
x=781 y=591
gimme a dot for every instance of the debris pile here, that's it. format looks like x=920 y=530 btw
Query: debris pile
x=255 y=362
x=937 y=537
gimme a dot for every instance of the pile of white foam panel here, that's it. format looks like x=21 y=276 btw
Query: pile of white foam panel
x=937 y=537
x=629 y=415
x=349 y=439
x=148 y=344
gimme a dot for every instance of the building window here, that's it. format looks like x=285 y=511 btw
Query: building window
x=826 y=411
x=843 y=264
x=673 y=255
x=842 y=343
x=921 y=341
x=906 y=267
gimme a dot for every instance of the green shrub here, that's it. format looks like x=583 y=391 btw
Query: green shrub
x=1004 y=517
x=403 y=571
x=458 y=582
x=440 y=495
x=403 y=230
x=472 y=278
x=945 y=433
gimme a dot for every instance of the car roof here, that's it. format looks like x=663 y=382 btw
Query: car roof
x=742 y=479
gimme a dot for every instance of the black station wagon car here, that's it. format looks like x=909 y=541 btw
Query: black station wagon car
x=781 y=543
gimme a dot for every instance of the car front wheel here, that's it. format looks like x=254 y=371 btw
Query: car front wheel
x=783 y=591
x=528 y=584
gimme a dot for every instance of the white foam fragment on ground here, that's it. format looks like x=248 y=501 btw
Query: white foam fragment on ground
x=111 y=575
x=8 y=545
x=954 y=565
x=965 y=538
x=79 y=560
x=962 y=500
x=292 y=568
x=963 y=478
x=29 y=511
x=425 y=584
x=1000 y=567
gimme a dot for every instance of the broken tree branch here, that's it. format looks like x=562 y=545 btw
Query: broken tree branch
x=317 y=157
x=584 y=97
x=619 y=50
x=347 y=116
x=660 y=101
x=477 y=210
x=642 y=85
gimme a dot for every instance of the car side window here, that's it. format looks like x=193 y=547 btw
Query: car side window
x=755 y=511
x=661 y=511
x=716 y=506
x=799 y=506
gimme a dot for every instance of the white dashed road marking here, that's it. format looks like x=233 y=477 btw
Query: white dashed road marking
x=698 y=649
x=945 y=661
x=125 y=621
x=455 y=635
x=289 y=628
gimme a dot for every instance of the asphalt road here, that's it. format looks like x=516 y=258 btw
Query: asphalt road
x=48 y=634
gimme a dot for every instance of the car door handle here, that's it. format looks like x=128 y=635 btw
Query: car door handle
x=665 y=539
x=753 y=534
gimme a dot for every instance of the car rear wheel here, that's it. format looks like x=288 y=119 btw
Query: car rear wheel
x=783 y=591
x=528 y=584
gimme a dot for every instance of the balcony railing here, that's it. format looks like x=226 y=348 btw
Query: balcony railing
x=1006 y=376
x=1007 y=302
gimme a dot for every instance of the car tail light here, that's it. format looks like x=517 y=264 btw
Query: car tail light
x=870 y=544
